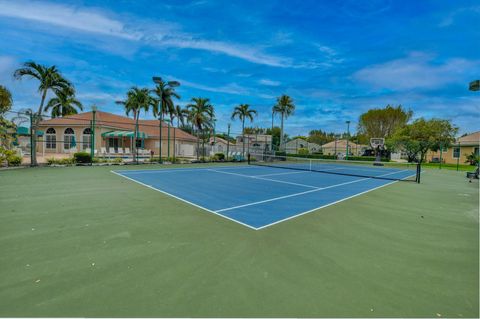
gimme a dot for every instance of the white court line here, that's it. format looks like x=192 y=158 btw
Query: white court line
x=265 y=179
x=329 y=204
x=296 y=194
x=179 y=169
x=288 y=173
x=268 y=225
x=184 y=200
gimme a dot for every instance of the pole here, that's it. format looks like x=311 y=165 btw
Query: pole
x=92 y=136
x=168 y=140
x=348 y=137
x=228 y=140
x=136 y=136
x=160 y=138
x=32 y=140
x=441 y=149
x=458 y=158
x=174 y=145
x=271 y=143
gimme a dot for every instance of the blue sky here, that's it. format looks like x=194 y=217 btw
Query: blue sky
x=336 y=59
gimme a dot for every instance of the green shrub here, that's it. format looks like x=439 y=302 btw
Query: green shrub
x=117 y=160
x=302 y=151
x=219 y=156
x=281 y=153
x=14 y=160
x=66 y=161
x=82 y=157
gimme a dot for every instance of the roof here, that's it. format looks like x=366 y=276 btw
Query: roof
x=340 y=144
x=117 y=122
x=470 y=139
x=301 y=140
x=219 y=140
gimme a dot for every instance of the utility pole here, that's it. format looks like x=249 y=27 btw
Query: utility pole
x=348 y=136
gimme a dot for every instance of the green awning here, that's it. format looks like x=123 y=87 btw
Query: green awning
x=124 y=134
x=22 y=130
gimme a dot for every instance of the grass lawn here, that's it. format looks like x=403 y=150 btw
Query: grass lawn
x=81 y=241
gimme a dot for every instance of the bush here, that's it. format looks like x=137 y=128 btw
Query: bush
x=117 y=160
x=303 y=151
x=66 y=161
x=281 y=153
x=82 y=157
x=14 y=160
x=219 y=156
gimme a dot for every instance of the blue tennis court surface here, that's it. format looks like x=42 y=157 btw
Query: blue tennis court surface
x=257 y=197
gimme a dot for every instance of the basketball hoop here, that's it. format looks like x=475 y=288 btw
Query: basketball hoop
x=377 y=143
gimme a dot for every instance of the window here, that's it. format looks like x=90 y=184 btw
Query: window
x=68 y=139
x=475 y=150
x=50 y=139
x=86 y=138
x=456 y=152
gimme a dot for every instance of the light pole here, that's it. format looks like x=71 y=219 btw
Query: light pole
x=228 y=140
x=158 y=80
x=348 y=136
x=475 y=86
x=168 y=138
x=271 y=143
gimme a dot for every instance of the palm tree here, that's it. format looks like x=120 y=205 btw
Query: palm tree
x=181 y=114
x=50 y=79
x=285 y=107
x=163 y=104
x=64 y=103
x=243 y=112
x=5 y=100
x=201 y=116
x=138 y=99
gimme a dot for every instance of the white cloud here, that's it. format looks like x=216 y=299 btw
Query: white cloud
x=269 y=82
x=71 y=17
x=231 y=88
x=97 y=22
x=417 y=71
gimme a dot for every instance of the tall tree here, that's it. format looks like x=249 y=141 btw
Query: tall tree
x=201 y=116
x=138 y=99
x=64 y=103
x=285 y=107
x=49 y=78
x=181 y=114
x=6 y=100
x=383 y=122
x=165 y=93
x=243 y=112
x=422 y=135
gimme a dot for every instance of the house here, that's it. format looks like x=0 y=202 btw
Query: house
x=339 y=147
x=292 y=146
x=458 y=151
x=220 y=145
x=113 y=134
x=253 y=143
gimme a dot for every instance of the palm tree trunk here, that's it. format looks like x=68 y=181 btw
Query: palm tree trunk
x=243 y=137
x=281 y=136
x=198 y=142
x=33 y=129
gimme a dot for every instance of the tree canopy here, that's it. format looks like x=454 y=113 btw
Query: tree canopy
x=5 y=100
x=422 y=135
x=383 y=122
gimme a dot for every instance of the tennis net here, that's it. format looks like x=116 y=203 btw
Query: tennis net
x=367 y=169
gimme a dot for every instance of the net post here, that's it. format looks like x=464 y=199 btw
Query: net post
x=248 y=158
x=419 y=170
x=32 y=141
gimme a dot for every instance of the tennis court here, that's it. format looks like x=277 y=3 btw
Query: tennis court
x=267 y=194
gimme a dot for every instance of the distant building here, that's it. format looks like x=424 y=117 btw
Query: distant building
x=458 y=151
x=114 y=134
x=339 y=147
x=254 y=143
x=292 y=146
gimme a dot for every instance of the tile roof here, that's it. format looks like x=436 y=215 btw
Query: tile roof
x=110 y=120
x=470 y=139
